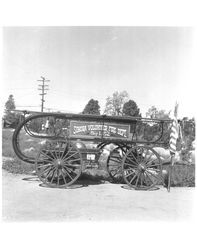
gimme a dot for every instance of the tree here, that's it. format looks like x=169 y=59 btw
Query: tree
x=188 y=132
x=152 y=130
x=10 y=104
x=114 y=104
x=130 y=108
x=154 y=113
x=10 y=117
x=92 y=107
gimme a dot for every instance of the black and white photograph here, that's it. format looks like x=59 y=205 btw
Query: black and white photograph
x=97 y=121
x=98 y=126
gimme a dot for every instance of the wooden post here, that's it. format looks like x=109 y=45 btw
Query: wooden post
x=170 y=171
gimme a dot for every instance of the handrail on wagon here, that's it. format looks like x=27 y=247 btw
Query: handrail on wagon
x=92 y=117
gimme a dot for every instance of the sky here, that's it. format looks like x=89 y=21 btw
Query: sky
x=155 y=65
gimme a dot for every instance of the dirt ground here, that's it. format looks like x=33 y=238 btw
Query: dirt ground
x=25 y=199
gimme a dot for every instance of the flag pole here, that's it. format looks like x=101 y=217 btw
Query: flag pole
x=170 y=171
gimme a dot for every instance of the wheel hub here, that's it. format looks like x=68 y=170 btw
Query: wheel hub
x=58 y=163
x=142 y=167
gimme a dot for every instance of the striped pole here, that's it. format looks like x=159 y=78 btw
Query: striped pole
x=172 y=144
x=174 y=136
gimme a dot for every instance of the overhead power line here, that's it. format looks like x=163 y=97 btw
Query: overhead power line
x=43 y=89
x=27 y=106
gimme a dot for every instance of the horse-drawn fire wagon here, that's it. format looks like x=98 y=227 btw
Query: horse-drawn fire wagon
x=70 y=142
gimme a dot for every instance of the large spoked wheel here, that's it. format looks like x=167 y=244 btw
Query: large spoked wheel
x=114 y=164
x=142 y=168
x=59 y=164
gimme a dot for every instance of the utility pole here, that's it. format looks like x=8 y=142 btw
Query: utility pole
x=43 y=89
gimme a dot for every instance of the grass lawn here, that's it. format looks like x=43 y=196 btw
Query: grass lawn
x=10 y=161
x=182 y=175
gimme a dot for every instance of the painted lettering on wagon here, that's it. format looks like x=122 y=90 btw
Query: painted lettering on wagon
x=93 y=129
x=122 y=132
x=79 y=129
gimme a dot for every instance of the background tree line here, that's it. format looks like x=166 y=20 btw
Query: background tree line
x=119 y=104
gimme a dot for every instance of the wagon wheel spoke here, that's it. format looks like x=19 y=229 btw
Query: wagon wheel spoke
x=63 y=175
x=148 y=163
x=58 y=177
x=153 y=175
x=69 y=156
x=154 y=166
x=149 y=160
x=151 y=179
x=131 y=165
x=54 y=150
x=78 y=159
x=43 y=160
x=69 y=174
x=134 y=157
x=68 y=151
x=70 y=166
x=44 y=169
x=133 y=178
x=114 y=160
x=61 y=149
x=47 y=156
x=141 y=180
x=45 y=173
x=132 y=171
x=114 y=164
x=53 y=175
x=42 y=164
x=147 y=180
x=131 y=160
x=65 y=150
x=138 y=176
x=116 y=171
x=58 y=153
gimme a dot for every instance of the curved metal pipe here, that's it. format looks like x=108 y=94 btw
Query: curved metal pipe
x=15 y=138
x=98 y=118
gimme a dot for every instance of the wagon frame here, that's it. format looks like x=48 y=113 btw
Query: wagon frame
x=61 y=160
